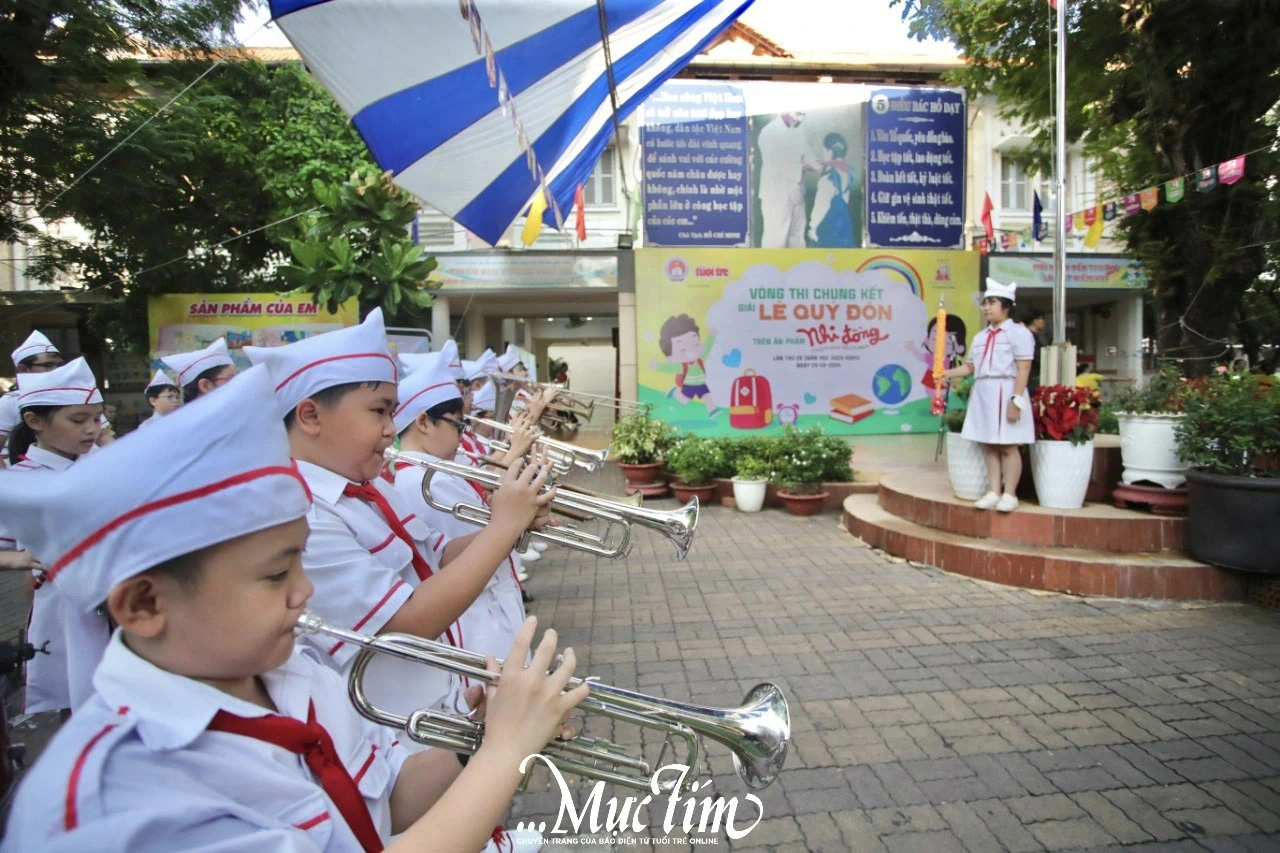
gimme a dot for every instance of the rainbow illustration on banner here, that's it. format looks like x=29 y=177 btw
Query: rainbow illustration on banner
x=897 y=267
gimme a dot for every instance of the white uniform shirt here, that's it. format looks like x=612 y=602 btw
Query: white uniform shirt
x=363 y=573
x=63 y=678
x=490 y=624
x=1008 y=344
x=136 y=770
x=995 y=355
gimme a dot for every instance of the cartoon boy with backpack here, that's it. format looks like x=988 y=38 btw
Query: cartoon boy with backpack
x=682 y=344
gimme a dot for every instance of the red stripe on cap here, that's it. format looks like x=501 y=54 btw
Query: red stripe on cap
x=164 y=503
x=406 y=403
x=184 y=370
x=310 y=365
x=315 y=821
x=59 y=388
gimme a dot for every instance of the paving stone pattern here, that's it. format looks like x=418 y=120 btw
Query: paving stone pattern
x=930 y=712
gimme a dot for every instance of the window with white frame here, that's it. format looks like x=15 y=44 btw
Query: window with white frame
x=1017 y=188
x=599 y=190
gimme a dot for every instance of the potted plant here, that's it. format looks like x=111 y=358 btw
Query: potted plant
x=750 y=480
x=801 y=468
x=1230 y=436
x=1147 y=417
x=1066 y=419
x=638 y=445
x=966 y=459
x=695 y=461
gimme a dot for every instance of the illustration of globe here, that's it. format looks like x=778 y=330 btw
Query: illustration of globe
x=891 y=384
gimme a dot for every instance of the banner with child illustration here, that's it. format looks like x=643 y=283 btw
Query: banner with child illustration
x=181 y=322
x=753 y=339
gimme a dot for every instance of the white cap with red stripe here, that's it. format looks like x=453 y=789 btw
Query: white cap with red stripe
x=447 y=354
x=509 y=359
x=355 y=354
x=70 y=385
x=160 y=380
x=423 y=389
x=224 y=472
x=35 y=344
x=189 y=365
x=486 y=399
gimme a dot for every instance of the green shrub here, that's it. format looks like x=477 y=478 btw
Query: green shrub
x=640 y=439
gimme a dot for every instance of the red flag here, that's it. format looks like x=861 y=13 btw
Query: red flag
x=986 y=216
x=581 y=216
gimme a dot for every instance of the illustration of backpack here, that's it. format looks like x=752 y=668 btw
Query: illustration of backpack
x=750 y=402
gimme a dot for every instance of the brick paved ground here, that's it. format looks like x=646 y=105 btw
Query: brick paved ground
x=932 y=712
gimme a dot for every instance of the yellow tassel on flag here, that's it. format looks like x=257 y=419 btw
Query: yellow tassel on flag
x=1094 y=234
x=533 y=225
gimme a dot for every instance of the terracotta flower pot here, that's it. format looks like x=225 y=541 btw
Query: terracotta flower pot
x=642 y=474
x=802 y=504
x=684 y=493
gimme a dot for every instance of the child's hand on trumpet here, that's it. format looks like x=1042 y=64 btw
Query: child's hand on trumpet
x=528 y=706
x=522 y=494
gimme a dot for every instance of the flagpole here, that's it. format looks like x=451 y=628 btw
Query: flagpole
x=1060 y=178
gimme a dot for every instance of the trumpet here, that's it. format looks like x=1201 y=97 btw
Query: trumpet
x=614 y=541
x=757 y=733
x=562 y=454
x=576 y=402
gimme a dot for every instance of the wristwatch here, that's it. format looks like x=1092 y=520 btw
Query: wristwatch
x=1017 y=401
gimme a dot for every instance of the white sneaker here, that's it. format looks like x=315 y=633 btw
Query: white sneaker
x=529 y=556
x=540 y=546
x=1007 y=503
x=988 y=501
x=511 y=840
x=522 y=576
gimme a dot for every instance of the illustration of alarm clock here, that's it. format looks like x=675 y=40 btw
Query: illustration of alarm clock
x=788 y=413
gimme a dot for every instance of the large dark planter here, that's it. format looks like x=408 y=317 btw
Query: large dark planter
x=1232 y=521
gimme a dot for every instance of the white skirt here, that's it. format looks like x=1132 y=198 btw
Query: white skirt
x=986 y=420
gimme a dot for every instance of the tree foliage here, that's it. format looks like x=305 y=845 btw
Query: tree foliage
x=64 y=67
x=1156 y=89
x=356 y=245
x=200 y=198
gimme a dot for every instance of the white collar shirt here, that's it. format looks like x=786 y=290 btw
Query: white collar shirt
x=135 y=769
x=996 y=350
x=363 y=573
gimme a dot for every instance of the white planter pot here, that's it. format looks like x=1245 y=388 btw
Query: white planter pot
x=1061 y=471
x=749 y=494
x=967 y=467
x=1149 y=450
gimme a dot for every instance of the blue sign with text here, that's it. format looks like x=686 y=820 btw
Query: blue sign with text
x=915 y=168
x=696 y=175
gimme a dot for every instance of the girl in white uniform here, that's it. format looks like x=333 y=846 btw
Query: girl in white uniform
x=163 y=396
x=60 y=423
x=429 y=421
x=999 y=411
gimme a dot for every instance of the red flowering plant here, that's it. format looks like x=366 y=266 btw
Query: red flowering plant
x=1064 y=413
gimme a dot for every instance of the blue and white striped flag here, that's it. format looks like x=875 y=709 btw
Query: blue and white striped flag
x=472 y=115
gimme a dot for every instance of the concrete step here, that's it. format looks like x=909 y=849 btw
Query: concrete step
x=925 y=497
x=1080 y=571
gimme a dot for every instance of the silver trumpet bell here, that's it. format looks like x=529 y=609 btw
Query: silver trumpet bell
x=757 y=733
x=613 y=540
